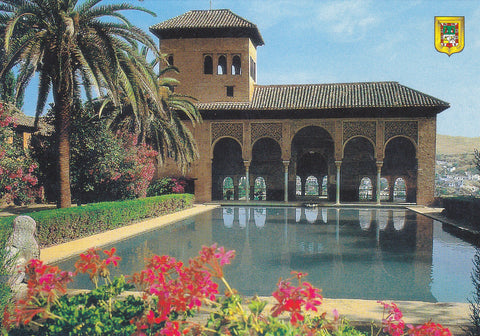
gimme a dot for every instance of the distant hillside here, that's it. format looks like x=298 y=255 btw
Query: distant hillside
x=450 y=145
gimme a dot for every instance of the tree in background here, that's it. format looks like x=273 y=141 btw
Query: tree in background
x=105 y=166
x=9 y=95
x=74 y=46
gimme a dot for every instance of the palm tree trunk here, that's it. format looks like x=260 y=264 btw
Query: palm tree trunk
x=64 y=199
x=63 y=98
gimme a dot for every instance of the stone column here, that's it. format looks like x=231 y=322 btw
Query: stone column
x=285 y=165
x=338 y=164
x=379 y=176
x=247 y=177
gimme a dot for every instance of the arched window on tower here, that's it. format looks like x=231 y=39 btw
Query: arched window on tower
x=222 y=65
x=208 y=65
x=236 y=65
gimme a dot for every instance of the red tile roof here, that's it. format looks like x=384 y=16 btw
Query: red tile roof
x=331 y=96
x=208 y=23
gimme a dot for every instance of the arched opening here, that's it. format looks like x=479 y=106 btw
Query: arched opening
x=384 y=189
x=260 y=189
x=242 y=188
x=227 y=162
x=208 y=65
x=358 y=162
x=228 y=189
x=311 y=186
x=267 y=163
x=312 y=155
x=399 y=190
x=298 y=186
x=325 y=186
x=365 y=190
x=400 y=161
x=222 y=65
x=236 y=65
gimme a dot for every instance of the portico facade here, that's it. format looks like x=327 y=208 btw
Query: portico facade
x=267 y=142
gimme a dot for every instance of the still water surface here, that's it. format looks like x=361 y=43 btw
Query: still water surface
x=387 y=254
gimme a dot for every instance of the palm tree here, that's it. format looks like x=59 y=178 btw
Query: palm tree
x=162 y=125
x=71 y=46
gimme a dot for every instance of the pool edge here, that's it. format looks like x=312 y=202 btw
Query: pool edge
x=64 y=251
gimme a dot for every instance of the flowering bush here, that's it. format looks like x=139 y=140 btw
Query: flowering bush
x=167 y=185
x=104 y=166
x=18 y=180
x=171 y=293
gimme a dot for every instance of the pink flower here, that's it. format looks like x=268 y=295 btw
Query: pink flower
x=111 y=257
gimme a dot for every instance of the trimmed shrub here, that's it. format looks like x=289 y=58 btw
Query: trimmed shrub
x=62 y=225
x=167 y=185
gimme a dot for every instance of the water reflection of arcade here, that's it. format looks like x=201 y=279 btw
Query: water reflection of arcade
x=354 y=253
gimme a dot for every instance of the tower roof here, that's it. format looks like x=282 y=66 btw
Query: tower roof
x=207 y=23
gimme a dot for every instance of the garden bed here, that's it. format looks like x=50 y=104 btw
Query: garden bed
x=62 y=225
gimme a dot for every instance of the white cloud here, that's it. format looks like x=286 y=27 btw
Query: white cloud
x=339 y=19
x=347 y=20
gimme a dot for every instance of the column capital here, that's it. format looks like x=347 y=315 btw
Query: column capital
x=286 y=163
x=379 y=164
x=246 y=163
x=338 y=163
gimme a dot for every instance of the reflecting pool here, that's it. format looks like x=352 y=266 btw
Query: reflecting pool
x=387 y=254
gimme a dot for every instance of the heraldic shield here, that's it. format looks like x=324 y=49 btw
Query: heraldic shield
x=449 y=34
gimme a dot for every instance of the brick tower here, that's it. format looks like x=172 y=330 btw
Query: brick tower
x=216 y=52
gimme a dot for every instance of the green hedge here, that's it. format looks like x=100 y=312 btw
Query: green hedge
x=463 y=208
x=62 y=225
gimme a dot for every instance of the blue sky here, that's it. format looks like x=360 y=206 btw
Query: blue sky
x=311 y=41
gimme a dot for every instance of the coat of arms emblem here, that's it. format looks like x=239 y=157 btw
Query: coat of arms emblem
x=449 y=34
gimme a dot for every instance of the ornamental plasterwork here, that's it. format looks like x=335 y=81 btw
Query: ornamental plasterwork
x=329 y=126
x=227 y=129
x=367 y=129
x=271 y=130
x=407 y=128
